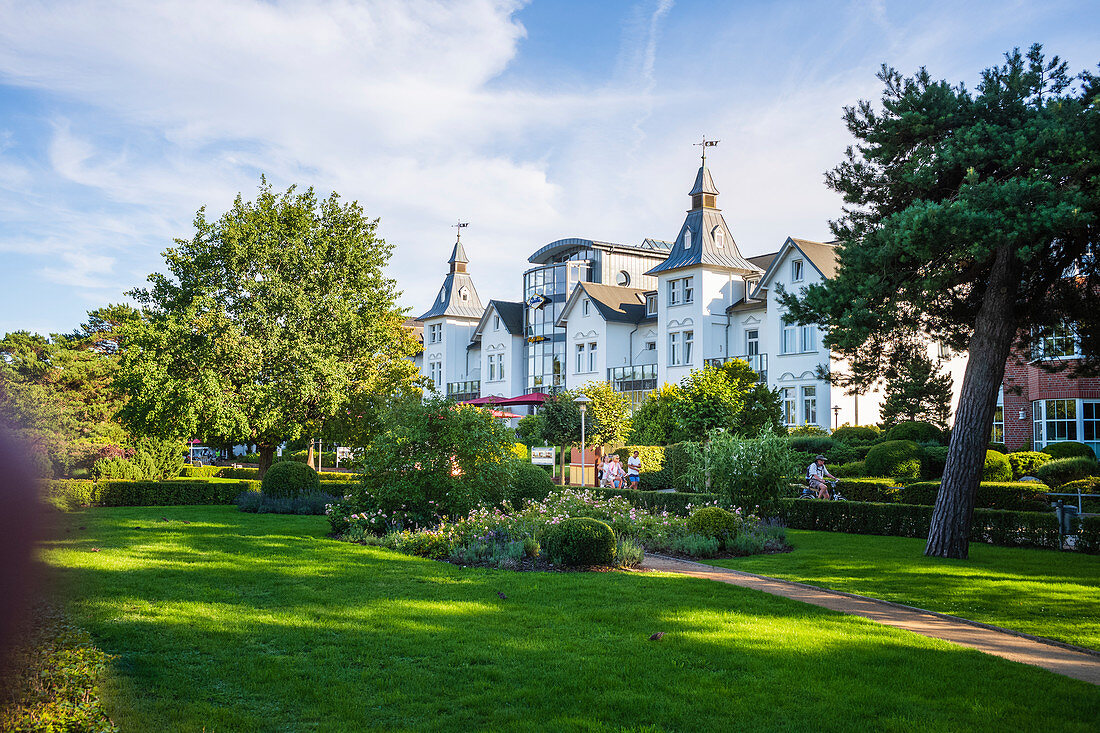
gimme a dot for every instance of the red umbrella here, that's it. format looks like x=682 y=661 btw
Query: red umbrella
x=504 y=415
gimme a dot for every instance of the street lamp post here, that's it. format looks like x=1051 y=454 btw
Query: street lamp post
x=582 y=402
x=836 y=416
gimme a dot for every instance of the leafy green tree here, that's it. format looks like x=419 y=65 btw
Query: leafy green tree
x=607 y=419
x=561 y=423
x=654 y=422
x=529 y=430
x=761 y=409
x=267 y=324
x=435 y=458
x=971 y=217
x=915 y=388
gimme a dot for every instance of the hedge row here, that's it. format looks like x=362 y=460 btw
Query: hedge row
x=75 y=494
x=991 y=526
x=251 y=473
x=1027 y=496
x=653 y=456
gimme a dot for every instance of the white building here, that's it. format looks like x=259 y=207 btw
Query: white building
x=642 y=315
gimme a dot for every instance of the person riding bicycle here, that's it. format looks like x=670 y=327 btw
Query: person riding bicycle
x=815 y=477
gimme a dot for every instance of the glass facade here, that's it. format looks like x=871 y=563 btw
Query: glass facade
x=545 y=289
x=1070 y=419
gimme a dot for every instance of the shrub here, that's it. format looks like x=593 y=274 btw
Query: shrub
x=856 y=434
x=1026 y=462
x=1011 y=529
x=579 y=541
x=1063 y=470
x=69 y=494
x=695 y=545
x=679 y=502
x=916 y=431
x=676 y=464
x=529 y=430
x=713 y=521
x=1090 y=485
x=201 y=471
x=653 y=456
x=996 y=468
x=1088 y=536
x=999 y=447
x=169 y=493
x=530 y=482
x=844 y=470
x=812 y=444
x=807 y=429
x=895 y=458
x=868 y=489
x=655 y=480
x=288 y=479
x=745 y=473
x=932 y=462
x=1028 y=496
x=1069 y=449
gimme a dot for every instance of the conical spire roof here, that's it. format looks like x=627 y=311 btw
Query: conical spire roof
x=458 y=254
x=703 y=183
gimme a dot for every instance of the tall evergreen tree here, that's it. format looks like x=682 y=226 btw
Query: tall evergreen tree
x=974 y=218
x=915 y=387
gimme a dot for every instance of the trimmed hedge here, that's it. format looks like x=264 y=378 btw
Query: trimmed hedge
x=1088 y=539
x=857 y=434
x=288 y=479
x=168 y=493
x=655 y=480
x=653 y=456
x=1026 y=462
x=1090 y=485
x=1069 y=449
x=917 y=431
x=676 y=464
x=868 y=489
x=200 y=471
x=579 y=541
x=894 y=458
x=855 y=468
x=251 y=473
x=1028 y=496
x=1061 y=471
x=996 y=468
x=69 y=494
x=678 y=502
x=1010 y=529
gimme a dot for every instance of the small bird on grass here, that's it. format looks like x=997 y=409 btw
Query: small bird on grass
x=95 y=549
x=504 y=597
x=163 y=519
x=186 y=522
x=657 y=636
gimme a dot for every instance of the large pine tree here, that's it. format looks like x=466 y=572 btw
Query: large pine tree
x=975 y=219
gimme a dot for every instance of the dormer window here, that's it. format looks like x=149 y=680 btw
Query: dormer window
x=496 y=323
x=719 y=237
x=464 y=295
x=687 y=239
x=651 y=305
x=585 y=306
x=797 y=270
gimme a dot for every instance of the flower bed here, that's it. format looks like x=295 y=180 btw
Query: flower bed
x=511 y=538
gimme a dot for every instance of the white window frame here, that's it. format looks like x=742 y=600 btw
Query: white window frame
x=809 y=404
x=435 y=333
x=496 y=323
x=798 y=270
x=689 y=342
x=788 y=342
x=674 y=349
x=592 y=352
x=1063 y=343
x=580 y=358
x=687 y=238
x=719 y=237
x=788 y=405
x=585 y=306
x=651 y=305
x=435 y=373
x=674 y=292
x=689 y=290
x=807 y=335
x=752 y=341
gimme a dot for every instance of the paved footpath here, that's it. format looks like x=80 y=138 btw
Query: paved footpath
x=1071 y=661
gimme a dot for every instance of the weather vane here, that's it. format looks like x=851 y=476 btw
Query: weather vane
x=706 y=144
x=460 y=226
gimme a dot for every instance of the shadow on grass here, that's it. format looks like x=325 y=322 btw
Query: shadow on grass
x=273 y=628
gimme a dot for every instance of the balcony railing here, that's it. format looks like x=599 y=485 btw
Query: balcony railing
x=459 y=391
x=639 y=378
x=758 y=362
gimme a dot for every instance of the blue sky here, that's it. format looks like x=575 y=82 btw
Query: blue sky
x=532 y=121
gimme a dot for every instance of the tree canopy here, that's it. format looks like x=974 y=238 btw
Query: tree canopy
x=915 y=388
x=268 y=322
x=971 y=218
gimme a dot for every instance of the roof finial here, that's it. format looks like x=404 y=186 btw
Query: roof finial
x=459 y=226
x=704 y=145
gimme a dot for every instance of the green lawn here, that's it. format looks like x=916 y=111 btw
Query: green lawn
x=1041 y=592
x=244 y=622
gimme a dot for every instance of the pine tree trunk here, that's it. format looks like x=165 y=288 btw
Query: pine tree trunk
x=267 y=457
x=994 y=330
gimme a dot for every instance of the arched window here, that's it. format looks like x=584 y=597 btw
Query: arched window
x=719 y=237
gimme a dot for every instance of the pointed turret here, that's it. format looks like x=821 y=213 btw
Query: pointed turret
x=458 y=259
x=704 y=194
x=458 y=297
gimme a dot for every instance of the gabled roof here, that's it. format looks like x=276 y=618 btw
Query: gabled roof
x=449 y=301
x=762 y=261
x=511 y=315
x=615 y=304
x=822 y=255
x=702 y=225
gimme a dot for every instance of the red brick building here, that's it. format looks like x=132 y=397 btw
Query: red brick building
x=1039 y=407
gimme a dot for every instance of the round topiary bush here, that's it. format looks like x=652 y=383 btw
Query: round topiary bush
x=530 y=482
x=997 y=467
x=1069 y=449
x=713 y=521
x=857 y=434
x=898 y=459
x=288 y=479
x=933 y=461
x=1063 y=470
x=917 y=431
x=579 y=541
x=1090 y=485
x=1026 y=462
